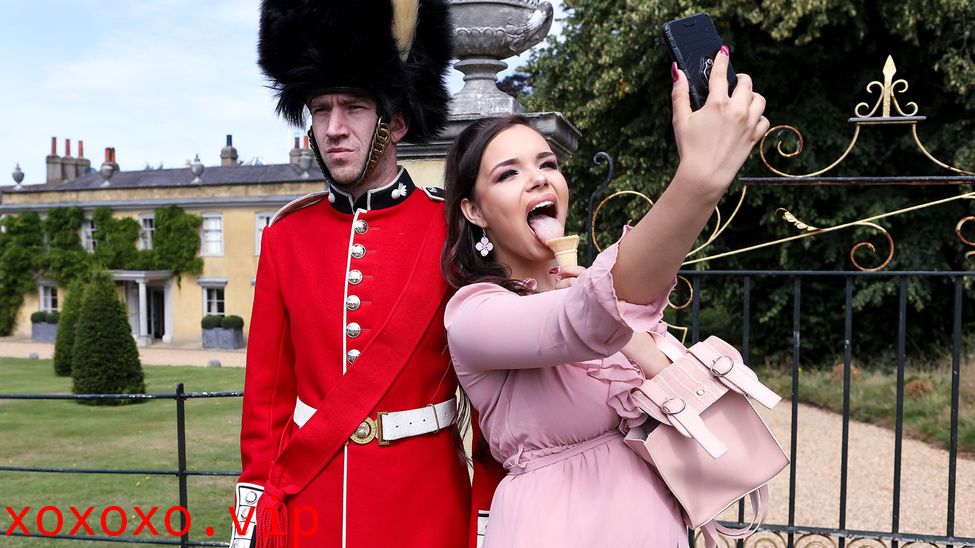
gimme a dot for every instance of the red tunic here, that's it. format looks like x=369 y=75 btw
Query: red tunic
x=328 y=282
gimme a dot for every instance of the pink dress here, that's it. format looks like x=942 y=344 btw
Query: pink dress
x=553 y=392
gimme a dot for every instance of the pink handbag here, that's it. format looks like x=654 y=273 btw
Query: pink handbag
x=710 y=447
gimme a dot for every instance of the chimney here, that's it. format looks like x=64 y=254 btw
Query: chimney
x=54 y=174
x=84 y=164
x=69 y=168
x=228 y=154
x=295 y=153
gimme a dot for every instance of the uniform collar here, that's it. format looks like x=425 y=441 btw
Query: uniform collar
x=395 y=192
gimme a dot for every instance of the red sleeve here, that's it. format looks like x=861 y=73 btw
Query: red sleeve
x=269 y=385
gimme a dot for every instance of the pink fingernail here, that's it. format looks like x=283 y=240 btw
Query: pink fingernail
x=725 y=50
x=674 y=72
x=555 y=270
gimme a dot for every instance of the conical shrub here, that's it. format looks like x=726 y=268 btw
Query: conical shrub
x=64 y=343
x=106 y=360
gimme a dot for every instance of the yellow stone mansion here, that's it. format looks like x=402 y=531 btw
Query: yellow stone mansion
x=236 y=202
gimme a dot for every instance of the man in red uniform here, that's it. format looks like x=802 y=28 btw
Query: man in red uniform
x=348 y=435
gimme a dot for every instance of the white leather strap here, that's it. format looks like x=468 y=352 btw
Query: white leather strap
x=404 y=424
x=246 y=514
x=399 y=424
x=303 y=412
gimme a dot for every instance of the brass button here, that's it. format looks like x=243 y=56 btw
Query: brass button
x=251 y=496
x=353 y=330
x=358 y=251
x=352 y=302
x=355 y=277
x=360 y=226
x=352 y=355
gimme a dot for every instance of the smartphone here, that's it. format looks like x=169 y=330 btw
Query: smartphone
x=694 y=43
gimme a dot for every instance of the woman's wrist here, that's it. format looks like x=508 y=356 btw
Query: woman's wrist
x=709 y=186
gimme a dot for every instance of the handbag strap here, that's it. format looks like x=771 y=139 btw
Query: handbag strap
x=684 y=418
x=712 y=529
x=728 y=368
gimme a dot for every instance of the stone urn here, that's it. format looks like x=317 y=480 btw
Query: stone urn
x=485 y=32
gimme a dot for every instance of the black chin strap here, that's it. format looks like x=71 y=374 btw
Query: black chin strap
x=377 y=147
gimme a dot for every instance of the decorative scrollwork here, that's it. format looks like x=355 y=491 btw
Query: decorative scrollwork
x=814 y=540
x=888 y=94
x=595 y=213
x=964 y=240
x=799 y=147
x=788 y=216
x=867 y=542
x=690 y=298
x=870 y=246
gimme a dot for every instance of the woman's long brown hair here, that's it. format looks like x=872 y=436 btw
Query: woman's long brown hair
x=460 y=262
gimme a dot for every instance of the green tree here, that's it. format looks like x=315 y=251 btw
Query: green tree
x=67 y=325
x=105 y=358
x=609 y=73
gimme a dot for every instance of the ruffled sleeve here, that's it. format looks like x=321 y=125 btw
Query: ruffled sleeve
x=622 y=376
x=490 y=328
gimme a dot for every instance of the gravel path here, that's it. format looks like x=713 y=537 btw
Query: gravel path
x=924 y=477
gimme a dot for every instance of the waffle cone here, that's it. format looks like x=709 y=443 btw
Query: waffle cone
x=564 y=249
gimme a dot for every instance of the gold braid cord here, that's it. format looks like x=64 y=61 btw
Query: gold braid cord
x=380 y=140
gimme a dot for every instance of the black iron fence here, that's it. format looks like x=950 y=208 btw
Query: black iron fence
x=791 y=534
x=182 y=473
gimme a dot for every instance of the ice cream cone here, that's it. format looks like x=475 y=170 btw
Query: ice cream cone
x=564 y=249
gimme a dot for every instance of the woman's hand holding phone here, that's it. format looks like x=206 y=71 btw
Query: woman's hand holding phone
x=714 y=141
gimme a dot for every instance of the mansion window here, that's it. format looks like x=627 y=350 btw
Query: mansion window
x=49 y=298
x=262 y=221
x=213 y=301
x=88 y=235
x=147 y=228
x=212 y=237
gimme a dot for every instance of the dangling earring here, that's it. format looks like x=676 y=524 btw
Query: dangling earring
x=484 y=246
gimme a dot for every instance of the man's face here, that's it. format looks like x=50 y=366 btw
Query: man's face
x=343 y=126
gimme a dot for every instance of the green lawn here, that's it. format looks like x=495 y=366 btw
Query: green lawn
x=54 y=433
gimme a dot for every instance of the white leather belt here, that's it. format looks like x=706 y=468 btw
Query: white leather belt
x=390 y=426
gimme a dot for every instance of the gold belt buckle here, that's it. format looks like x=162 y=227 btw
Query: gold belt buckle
x=370 y=430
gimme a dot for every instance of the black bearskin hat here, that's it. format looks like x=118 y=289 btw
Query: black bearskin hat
x=310 y=47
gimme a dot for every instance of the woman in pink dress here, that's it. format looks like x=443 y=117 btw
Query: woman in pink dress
x=548 y=357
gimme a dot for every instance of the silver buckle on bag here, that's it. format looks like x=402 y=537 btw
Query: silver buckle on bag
x=715 y=372
x=665 y=407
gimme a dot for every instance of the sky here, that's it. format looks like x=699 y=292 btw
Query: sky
x=159 y=80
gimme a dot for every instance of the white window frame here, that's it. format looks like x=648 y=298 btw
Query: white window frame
x=218 y=303
x=261 y=221
x=49 y=298
x=145 y=243
x=213 y=284
x=88 y=229
x=204 y=248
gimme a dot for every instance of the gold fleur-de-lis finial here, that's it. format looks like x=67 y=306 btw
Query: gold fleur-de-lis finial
x=887 y=94
x=889 y=71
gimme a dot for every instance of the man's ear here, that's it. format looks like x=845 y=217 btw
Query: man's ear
x=397 y=128
x=472 y=213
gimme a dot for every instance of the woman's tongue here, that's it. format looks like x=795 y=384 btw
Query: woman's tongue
x=546 y=228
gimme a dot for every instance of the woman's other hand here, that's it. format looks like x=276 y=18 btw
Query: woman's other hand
x=715 y=141
x=565 y=276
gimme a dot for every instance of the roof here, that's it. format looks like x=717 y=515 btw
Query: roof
x=182 y=177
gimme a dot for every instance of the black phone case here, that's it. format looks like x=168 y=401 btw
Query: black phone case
x=694 y=43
